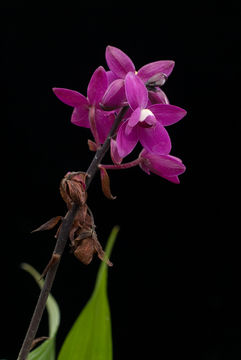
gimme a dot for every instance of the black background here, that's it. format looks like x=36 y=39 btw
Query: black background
x=174 y=289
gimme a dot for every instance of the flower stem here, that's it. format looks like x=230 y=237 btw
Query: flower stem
x=122 y=166
x=93 y=168
x=61 y=242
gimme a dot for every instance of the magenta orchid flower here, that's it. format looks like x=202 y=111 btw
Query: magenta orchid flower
x=146 y=123
x=153 y=75
x=120 y=64
x=141 y=110
x=166 y=166
x=87 y=112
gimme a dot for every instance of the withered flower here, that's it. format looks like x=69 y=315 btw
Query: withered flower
x=82 y=235
x=72 y=188
x=84 y=240
x=87 y=248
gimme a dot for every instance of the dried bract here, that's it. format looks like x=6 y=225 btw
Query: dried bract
x=50 y=224
x=105 y=183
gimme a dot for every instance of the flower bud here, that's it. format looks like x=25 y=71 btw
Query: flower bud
x=114 y=96
x=158 y=80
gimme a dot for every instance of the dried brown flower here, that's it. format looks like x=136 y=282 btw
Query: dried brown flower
x=82 y=235
x=72 y=188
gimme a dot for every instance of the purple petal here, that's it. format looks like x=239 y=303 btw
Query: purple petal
x=70 y=97
x=119 y=63
x=110 y=76
x=136 y=92
x=148 y=70
x=128 y=113
x=80 y=116
x=114 y=96
x=167 y=114
x=134 y=118
x=144 y=165
x=164 y=165
x=97 y=86
x=126 y=141
x=104 y=123
x=173 y=179
x=158 y=97
x=155 y=139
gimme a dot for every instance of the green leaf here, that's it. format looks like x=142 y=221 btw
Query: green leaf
x=90 y=337
x=45 y=351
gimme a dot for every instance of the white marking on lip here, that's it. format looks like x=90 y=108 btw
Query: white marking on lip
x=144 y=114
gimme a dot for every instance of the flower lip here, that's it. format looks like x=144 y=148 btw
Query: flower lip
x=144 y=114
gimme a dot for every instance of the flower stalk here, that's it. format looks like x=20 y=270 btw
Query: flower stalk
x=123 y=107
x=127 y=165
x=61 y=242
x=93 y=168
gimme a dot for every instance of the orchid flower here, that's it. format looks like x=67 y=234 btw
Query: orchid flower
x=166 y=166
x=87 y=112
x=146 y=123
x=147 y=112
x=123 y=106
x=120 y=64
x=153 y=75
